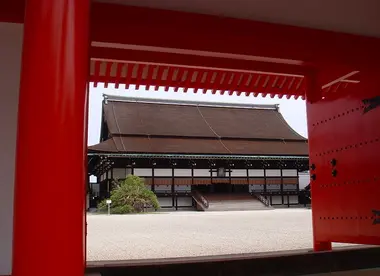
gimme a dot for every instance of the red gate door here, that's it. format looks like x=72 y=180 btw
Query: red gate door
x=344 y=137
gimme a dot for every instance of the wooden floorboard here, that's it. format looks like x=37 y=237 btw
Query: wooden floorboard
x=284 y=263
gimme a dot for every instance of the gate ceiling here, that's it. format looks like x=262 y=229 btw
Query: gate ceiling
x=152 y=48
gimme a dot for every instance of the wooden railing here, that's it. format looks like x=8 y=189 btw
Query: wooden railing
x=200 y=200
x=264 y=200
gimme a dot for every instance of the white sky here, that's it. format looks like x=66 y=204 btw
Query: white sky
x=294 y=111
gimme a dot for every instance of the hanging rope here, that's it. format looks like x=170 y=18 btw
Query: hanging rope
x=216 y=134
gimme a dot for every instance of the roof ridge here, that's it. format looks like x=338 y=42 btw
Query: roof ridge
x=113 y=98
x=225 y=138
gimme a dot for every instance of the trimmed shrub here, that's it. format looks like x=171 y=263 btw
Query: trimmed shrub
x=130 y=196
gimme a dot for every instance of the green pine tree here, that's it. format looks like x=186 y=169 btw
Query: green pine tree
x=130 y=196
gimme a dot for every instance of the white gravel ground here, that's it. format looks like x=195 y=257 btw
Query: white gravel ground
x=184 y=234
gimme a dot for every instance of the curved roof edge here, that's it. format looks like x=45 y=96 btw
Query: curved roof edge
x=191 y=103
x=226 y=147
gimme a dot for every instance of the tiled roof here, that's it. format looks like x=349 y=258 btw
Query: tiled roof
x=152 y=127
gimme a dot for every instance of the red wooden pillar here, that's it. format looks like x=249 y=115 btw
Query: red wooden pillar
x=49 y=213
x=313 y=95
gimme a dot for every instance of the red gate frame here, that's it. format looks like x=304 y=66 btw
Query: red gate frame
x=338 y=74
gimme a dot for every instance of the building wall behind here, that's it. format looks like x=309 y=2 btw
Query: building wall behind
x=185 y=201
x=165 y=201
x=143 y=172
x=10 y=64
x=120 y=173
x=182 y=172
x=239 y=173
x=304 y=179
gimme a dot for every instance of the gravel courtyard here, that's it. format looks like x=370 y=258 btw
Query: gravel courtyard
x=184 y=234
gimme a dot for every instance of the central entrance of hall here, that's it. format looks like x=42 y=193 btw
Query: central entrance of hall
x=222 y=188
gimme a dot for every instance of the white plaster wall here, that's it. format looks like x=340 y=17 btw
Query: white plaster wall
x=286 y=199
x=289 y=172
x=142 y=172
x=304 y=179
x=185 y=201
x=10 y=62
x=273 y=172
x=293 y=199
x=182 y=172
x=201 y=172
x=239 y=173
x=163 y=172
x=128 y=171
x=277 y=200
x=253 y=172
x=165 y=201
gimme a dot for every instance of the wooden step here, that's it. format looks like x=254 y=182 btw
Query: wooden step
x=233 y=202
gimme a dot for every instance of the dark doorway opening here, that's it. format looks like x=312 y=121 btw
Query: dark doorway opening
x=222 y=188
x=241 y=189
x=204 y=189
